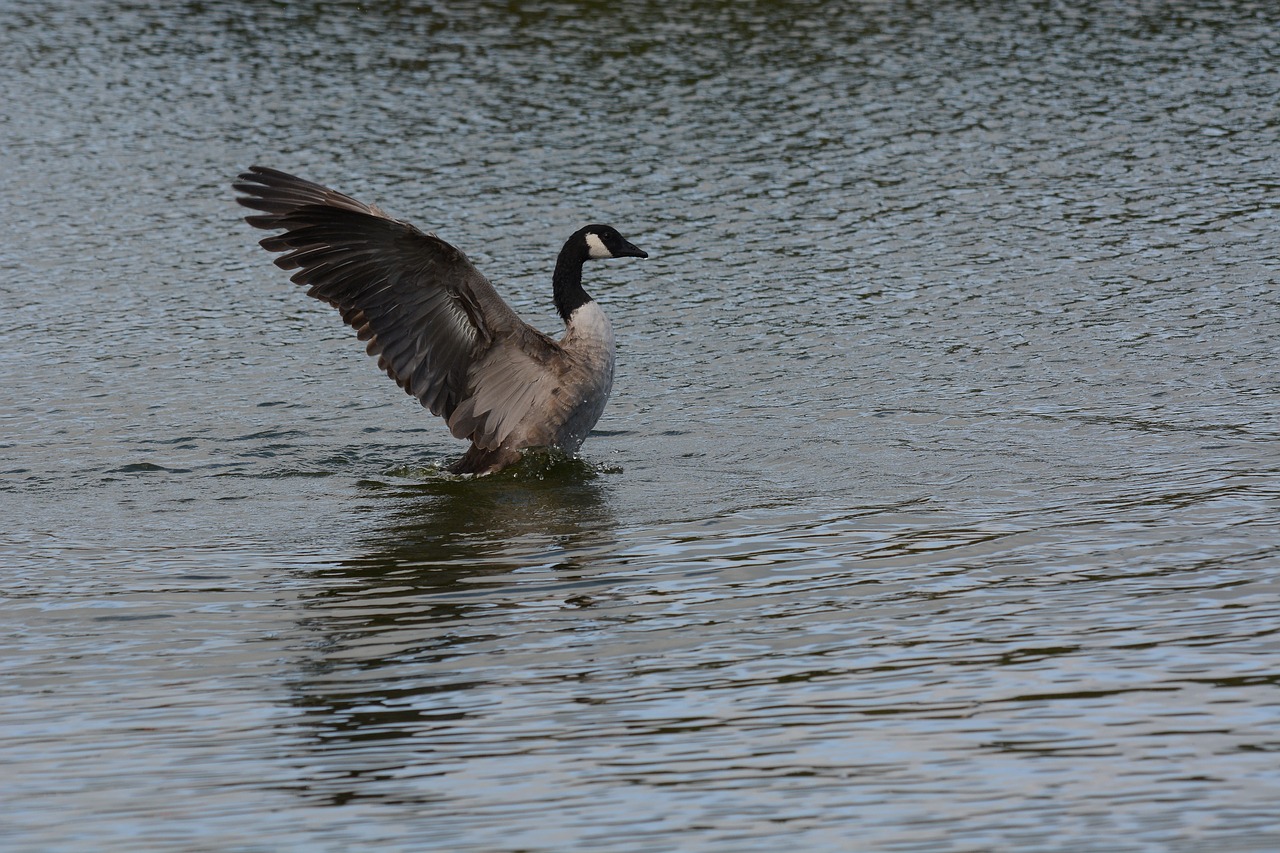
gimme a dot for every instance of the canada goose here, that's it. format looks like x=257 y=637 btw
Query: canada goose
x=437 y=325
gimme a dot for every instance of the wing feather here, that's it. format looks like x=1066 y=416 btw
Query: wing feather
x=517 y=394
x=428 y=314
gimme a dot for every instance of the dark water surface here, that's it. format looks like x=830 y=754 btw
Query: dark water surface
x=937 y=507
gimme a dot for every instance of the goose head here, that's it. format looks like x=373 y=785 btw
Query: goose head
x=595 y=242
x=599 y=242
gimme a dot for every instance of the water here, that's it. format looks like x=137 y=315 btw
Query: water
x=935 y=509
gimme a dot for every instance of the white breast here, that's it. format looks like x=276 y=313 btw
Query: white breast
x=589 y=328
x=590 y=340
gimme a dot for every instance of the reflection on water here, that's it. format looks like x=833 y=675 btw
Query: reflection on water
x=431 y=583
x=935 y=508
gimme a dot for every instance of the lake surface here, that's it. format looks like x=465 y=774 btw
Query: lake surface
x=937 y=507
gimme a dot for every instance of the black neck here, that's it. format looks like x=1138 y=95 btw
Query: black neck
x=566 y=281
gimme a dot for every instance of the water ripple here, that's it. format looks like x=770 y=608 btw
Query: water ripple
x=934 y=510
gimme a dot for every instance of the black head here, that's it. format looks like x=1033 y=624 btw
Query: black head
x=602 y=241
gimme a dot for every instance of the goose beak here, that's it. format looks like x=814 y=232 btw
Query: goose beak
x=630 y=251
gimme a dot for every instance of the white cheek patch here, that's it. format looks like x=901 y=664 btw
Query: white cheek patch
x=596 y=248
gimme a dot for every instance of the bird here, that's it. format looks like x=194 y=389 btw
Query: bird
x=438 y=326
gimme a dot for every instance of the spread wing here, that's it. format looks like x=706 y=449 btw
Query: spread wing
x=520 y=388
x=428 y=314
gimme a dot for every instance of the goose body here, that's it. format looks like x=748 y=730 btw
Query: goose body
x=437 y=325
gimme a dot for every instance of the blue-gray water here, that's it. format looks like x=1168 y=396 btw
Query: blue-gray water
x=937 y=507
